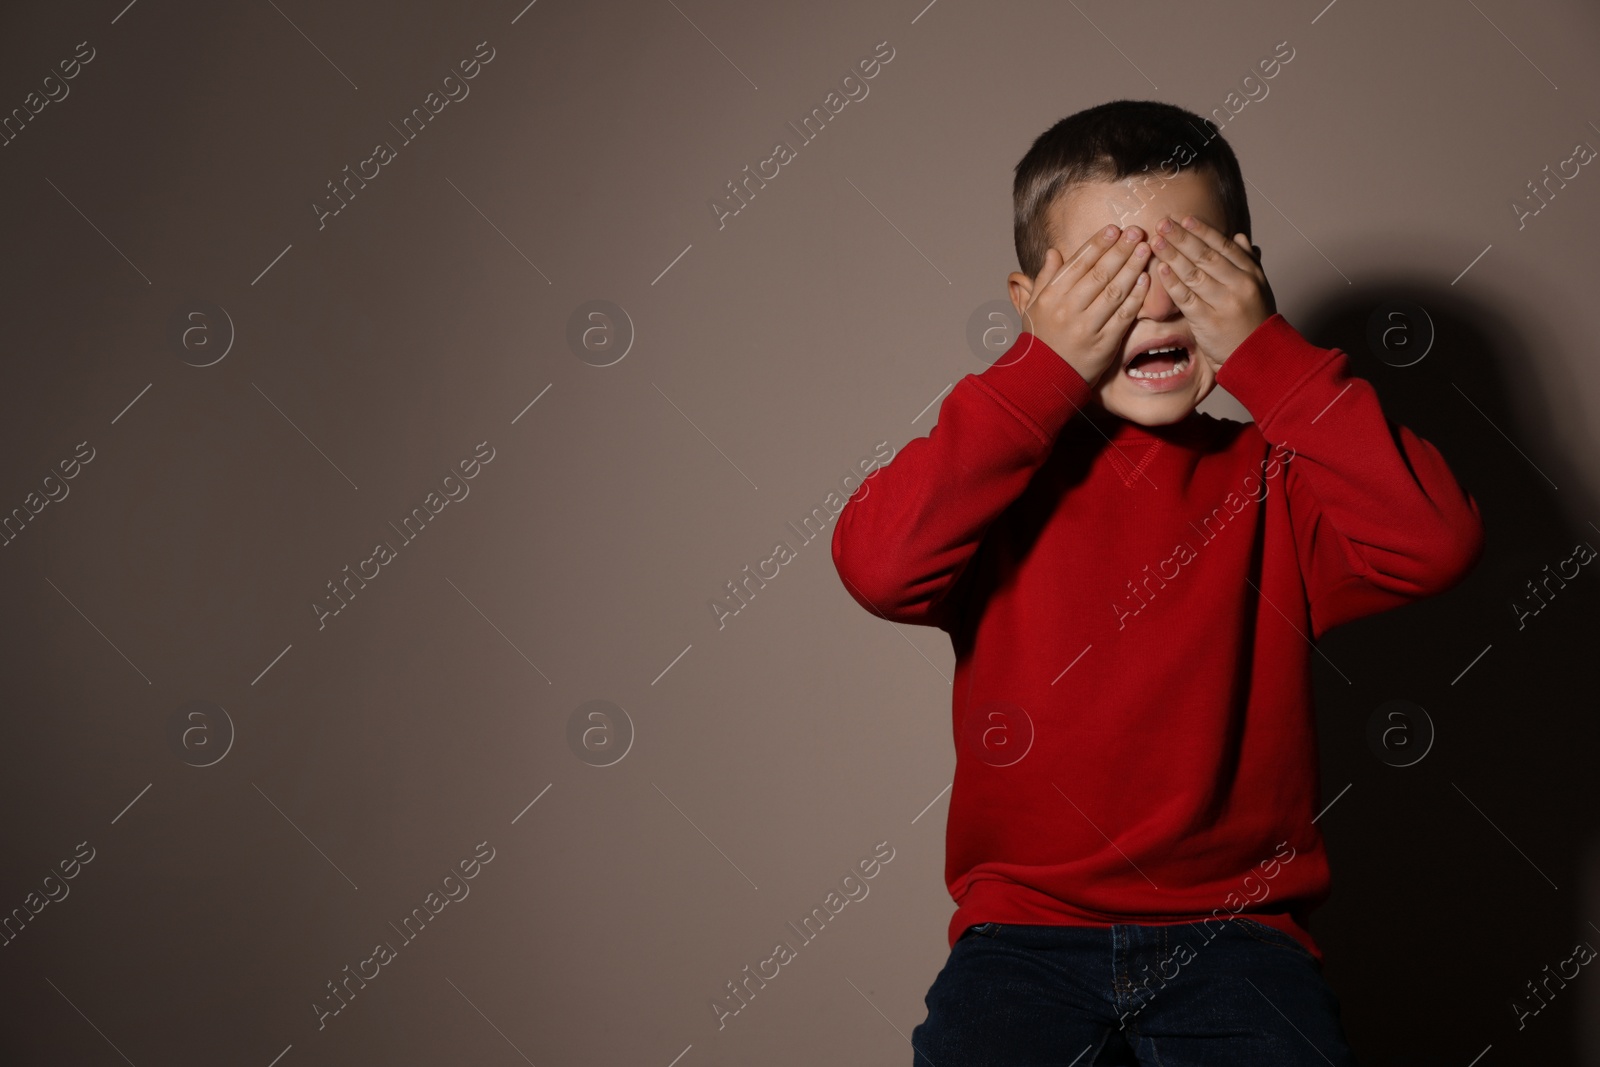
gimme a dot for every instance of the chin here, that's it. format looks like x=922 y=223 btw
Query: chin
x=1150 y=415
x=1162 y=410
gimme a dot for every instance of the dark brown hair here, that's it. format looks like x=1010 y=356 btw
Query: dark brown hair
x=1113 y=141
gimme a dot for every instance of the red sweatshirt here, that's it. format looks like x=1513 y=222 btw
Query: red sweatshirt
x=1132 y=611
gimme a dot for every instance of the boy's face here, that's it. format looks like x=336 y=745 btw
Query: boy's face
x=1074 y=218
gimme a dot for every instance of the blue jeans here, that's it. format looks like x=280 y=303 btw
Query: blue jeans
x=1202 y=994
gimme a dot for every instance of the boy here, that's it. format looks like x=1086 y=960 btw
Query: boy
x=1132 y=589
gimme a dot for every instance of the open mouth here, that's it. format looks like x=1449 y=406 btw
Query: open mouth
x=1158 y=364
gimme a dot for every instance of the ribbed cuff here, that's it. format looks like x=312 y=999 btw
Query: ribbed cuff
x=1269 y=365
x=1038 y=386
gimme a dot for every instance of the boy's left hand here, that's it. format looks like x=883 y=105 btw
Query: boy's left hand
x=1218 y=284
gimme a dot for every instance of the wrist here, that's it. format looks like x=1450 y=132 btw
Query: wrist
x=1039 y=384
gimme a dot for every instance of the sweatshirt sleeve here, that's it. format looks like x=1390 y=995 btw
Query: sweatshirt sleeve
x=1379 y=520
x=907 y=533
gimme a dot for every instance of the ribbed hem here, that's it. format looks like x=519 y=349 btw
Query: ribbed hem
x=1037 y=385
x=1269 y=365
x=1001 y=902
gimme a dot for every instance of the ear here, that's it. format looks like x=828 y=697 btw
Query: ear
x=1020 y=288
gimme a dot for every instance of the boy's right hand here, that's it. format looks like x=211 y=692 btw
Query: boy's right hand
x=1084 y=308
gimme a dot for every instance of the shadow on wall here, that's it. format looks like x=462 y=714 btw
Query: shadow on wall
x=1459 y=877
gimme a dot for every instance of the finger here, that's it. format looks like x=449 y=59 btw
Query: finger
x=1187 y=299
x=1087 y=289
x=1221 y=264
x=1215 y=239
x=1174 y=264
x=1086 y=255
x=1206 y=247
x=1129 y=308
x=1116 y=293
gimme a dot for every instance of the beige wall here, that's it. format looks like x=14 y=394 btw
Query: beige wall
x=365 y=754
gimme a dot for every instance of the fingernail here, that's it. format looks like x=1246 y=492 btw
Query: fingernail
x=1110 y=232
x=1188 y=222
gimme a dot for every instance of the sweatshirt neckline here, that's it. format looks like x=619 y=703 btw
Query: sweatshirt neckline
x=1117 y=428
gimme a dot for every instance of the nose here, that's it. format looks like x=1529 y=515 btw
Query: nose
x=1158 y=305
